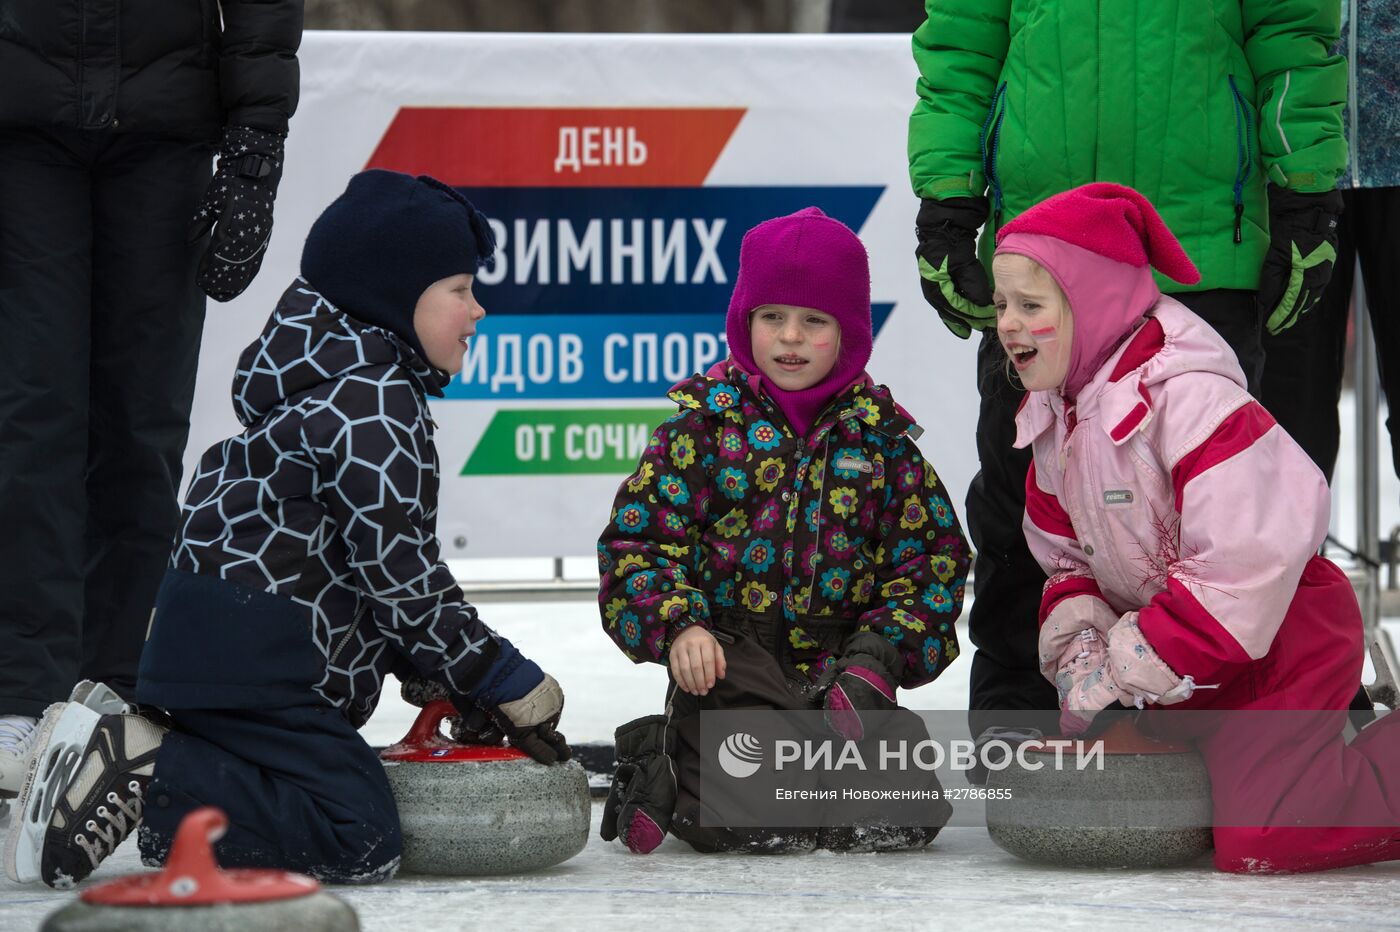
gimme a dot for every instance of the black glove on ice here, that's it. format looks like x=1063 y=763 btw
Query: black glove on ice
x=860 y=681
x=238 y=206
x=643 y=794
x=952 y=277
x=1302 y=251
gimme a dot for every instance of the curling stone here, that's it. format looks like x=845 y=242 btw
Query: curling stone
x=469 y=810
x=1149 y=806
x=193 y=895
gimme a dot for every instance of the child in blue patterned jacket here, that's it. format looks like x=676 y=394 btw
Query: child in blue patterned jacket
x=306 y=569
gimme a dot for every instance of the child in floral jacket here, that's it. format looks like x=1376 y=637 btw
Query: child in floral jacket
x=782 y=544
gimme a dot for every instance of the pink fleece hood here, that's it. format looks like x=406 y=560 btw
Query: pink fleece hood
x=1100 y=243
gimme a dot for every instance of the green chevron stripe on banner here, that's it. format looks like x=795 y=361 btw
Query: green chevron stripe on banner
x=564 y=441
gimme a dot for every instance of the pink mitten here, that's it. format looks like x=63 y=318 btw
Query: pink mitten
x=1060 y=633
x=1085 y=683
x=1140 y=671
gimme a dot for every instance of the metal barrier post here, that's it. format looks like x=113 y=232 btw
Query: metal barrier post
x=1383 y=689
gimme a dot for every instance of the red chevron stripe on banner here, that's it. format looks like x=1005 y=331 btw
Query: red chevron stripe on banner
x=557 y=147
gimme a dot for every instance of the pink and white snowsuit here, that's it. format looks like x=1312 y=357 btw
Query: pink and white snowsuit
x=1164 y=489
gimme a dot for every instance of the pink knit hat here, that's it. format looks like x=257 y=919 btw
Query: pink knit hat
x=1100 y=242
x=806 y=259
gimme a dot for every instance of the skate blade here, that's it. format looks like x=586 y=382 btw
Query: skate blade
x=63 y=737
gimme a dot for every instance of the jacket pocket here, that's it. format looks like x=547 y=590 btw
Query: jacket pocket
x=990 y=138
x=349 y=632
x=1244 y=153
x=208 y=32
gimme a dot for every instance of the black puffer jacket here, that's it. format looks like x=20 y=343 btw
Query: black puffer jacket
x=306 y=565
x=182 y=67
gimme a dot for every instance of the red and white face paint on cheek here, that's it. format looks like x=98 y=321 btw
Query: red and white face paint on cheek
x=1045 y=335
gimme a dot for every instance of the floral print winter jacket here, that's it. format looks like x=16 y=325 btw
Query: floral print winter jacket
x=728 y=510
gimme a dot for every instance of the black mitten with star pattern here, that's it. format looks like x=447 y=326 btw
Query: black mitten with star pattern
x=238 y=207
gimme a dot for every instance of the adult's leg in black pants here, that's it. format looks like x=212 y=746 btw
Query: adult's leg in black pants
x=147 y=318
x=1376 y=230
x=1007 y=581
x=45 y=282
x=1303 y=365
x=1371 y=223
x=1234 y=315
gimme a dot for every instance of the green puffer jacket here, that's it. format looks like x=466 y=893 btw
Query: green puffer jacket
x=1195 y=103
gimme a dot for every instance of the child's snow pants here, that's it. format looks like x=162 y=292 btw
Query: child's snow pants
x=760 y=675
x=1290 y=794
x=302 y=790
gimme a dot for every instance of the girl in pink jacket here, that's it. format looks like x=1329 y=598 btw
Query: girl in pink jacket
x=1179 y=526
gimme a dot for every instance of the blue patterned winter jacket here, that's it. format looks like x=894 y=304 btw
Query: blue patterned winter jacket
x=307 y=564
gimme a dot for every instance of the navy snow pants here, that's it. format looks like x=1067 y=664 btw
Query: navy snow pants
x=302 y=790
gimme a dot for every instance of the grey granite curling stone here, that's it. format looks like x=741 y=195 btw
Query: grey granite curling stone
x=192 y=894
x=470 y=810
x=1149 y=806
x=319 y=912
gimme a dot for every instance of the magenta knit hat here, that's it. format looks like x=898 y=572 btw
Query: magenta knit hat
x=806 y=259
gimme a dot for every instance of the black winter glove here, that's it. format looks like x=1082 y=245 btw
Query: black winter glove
x=238 y=206
x=860 y=681
x=643 y=794
x=475 y=726
x=952 y=277
x=472 y=726
x=529 y=723
x=418 y=691
x=1302 y=251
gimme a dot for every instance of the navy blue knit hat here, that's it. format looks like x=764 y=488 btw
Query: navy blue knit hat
x=379 y=245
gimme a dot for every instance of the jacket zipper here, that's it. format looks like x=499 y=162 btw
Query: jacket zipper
x=82 y=63
x=821 y=499
x=991 y=141
x=349 y=633
x=1244 y=155
x=1098 y=85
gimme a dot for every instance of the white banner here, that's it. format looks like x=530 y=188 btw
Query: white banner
x=620 y=173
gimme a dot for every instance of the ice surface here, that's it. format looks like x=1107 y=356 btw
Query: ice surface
x=962 y=882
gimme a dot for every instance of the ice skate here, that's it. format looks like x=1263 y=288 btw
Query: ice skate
x=17 y=736
x=83 y=794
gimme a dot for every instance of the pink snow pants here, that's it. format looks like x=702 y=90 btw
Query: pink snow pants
x=1269 y=773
